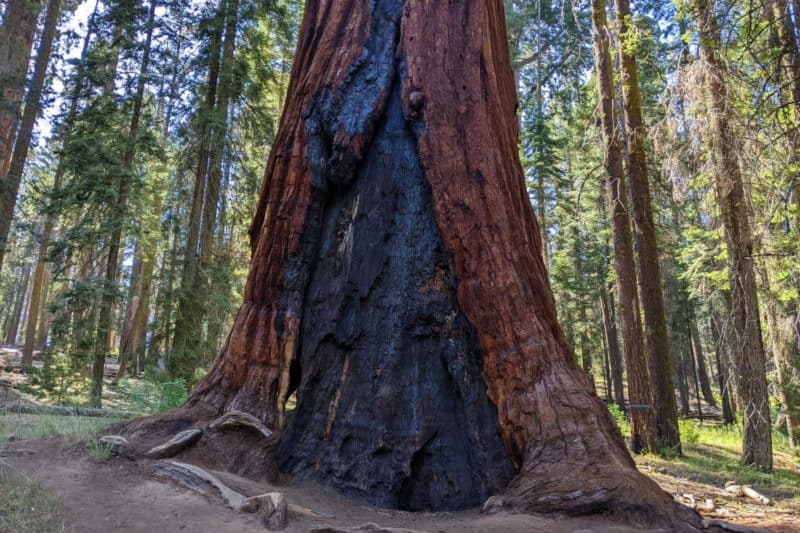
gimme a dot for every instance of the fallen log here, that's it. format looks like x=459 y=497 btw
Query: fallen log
x=173 y=446
x=63 y=410
x=747 y=492
x=234 y=419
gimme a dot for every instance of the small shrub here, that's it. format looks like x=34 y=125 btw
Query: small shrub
x=689 y=431
x=99 y=452
x=620 y=418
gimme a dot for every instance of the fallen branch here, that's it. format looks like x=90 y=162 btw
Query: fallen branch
x=62 y=410
x=174 y=445
x=748 y=492
x=233 y=419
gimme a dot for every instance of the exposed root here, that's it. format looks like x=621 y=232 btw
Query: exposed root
x=727 y=526
x=175 y=445
x=368 y=527
x=272 y=504
x=234 y=419
x=118 y=445
x=192 y=476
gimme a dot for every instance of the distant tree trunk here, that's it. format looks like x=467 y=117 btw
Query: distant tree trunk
x=642 y=421
x=397 y=286
x=186 y=343
x=104 y=326
x=615 y=358
x=50 y=218
x=749 y=355
x=786 y=357
x=16 y=42
x=43 y=329
x=19 y=306
x=728 y=410
x=655 y=320
x=700 y=361
x=681 y=377
x=211 y=204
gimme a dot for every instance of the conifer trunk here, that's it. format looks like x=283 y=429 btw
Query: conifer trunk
x=702 y=365
x=40 y=270
x=642 y=420
x=614 y=356
x=649 y=275
x=118 y=215
x=749 y=357
x=16 y=43
x=186 y=345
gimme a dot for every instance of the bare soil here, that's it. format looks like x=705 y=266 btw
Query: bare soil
x=123 y=496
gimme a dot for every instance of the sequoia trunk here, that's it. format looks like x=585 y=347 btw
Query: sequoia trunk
x=397 y=285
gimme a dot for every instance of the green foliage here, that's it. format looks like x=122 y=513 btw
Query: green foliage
x=621 y=419
x=688 y=430
x=99 y=451
x=151 y=395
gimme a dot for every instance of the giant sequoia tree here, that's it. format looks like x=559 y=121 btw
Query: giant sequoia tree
x=397 y=287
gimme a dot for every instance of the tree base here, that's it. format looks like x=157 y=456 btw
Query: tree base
x=548 y=483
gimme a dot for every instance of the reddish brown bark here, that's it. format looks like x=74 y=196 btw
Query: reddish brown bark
x=648 y=273
x=16 y=42
x=642 y=420
x=401 y=116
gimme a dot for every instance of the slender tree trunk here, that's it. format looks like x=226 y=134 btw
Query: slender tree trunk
x=118 y=217
x=609 y=387
x=50 y=218
x=728 y=412
x=680 y=374
x=655 y=320
x=16 y=43
x=19 y=306
x=43 y=328
x=187 y=334
x=700 y=361
x=32 y=107
x=615 y=358
x=393 y=206
x=642 y=421
x=749 y=355
x=785 y=356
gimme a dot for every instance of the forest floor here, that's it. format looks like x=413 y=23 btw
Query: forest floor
x=54 y=477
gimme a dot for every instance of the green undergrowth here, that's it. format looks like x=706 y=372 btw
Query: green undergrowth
x=61 y=384
x=711 y=454
x=75 y=428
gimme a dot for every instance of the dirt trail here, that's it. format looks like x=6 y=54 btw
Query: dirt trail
x=121 y=496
